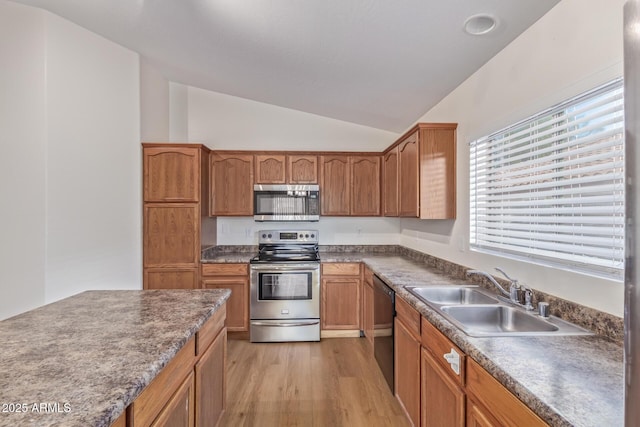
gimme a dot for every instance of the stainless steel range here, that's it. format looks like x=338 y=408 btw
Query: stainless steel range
x=285 y=287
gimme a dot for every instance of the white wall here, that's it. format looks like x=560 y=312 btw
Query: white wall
x=93 y=163
x=225 y=122
x=71 y=168
x=179 y=112
x=154 y=104
x=22 y=163
x=575 y=47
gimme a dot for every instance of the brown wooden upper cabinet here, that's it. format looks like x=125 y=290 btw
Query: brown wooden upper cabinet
x=231 y=184
x=335 y=185
x=350 y=185
x=365 y=185
x=270 y=169
x=302 y=169
x=286 y=169
x=171 y=174
x=420 y=173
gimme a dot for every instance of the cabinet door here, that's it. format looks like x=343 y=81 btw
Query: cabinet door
x=302 y=169
x=340 y=303
x=409 y=176
x=171 y=174
x=438 y=173
x=365 y=185
x=407 y=371
x=270 y=169
x=390 y=183
x=170 y=278
x=179 y=411
x=335 y=185
x=238 y=302
x=211 y=385
x=232 y=184
x=442 y=399
x=171 y=235
x=477 y=416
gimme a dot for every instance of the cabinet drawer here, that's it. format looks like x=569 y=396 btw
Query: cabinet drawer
x=439 y=346
x=225 y=269
x=409 y=316
x=210 y=330
x=503 y=406
x=341 y=268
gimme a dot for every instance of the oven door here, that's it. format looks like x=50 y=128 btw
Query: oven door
x=285 y=291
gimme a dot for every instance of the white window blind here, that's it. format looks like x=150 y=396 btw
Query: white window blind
x=550 y=188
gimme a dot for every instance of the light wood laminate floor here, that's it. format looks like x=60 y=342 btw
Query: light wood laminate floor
x=335 y=382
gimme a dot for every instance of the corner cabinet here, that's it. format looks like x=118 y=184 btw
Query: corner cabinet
x=232 y=184
x=420 y=173
x=175 y=189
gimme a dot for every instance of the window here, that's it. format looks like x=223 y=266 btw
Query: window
x=550 y=189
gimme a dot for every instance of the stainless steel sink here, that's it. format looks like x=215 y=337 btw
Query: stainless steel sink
x=492 y=319
x=450 y=295
x=480 y=314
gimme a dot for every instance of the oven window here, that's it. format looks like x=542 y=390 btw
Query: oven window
x=284 y=286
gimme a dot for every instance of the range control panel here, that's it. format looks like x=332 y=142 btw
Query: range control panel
x=287 y=236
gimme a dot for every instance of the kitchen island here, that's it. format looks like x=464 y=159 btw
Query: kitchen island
x=84 y=360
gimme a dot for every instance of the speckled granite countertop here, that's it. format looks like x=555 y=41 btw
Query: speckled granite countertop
x=82 y=360
x=567 y=381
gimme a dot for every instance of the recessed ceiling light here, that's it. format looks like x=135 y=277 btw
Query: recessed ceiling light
x=478 y=25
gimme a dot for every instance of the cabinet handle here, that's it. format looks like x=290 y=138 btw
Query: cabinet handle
x=453 y=358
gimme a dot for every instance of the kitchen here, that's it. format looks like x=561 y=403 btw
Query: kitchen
x=73 y=199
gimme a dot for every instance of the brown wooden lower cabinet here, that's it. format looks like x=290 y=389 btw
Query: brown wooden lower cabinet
x=340 y=301
x=190 y=390
x=442 y=398
x=503 y=406
x=233 y=276
x=178 y=412
x=407 y=370
x=478 y=416
x=448 y=395
x=211 y=382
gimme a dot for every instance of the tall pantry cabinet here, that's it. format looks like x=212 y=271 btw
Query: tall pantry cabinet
x=176 y=203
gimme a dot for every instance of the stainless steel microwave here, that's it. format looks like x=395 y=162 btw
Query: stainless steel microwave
x=286 y=202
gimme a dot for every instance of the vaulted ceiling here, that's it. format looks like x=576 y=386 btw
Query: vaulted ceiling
x=379 y=63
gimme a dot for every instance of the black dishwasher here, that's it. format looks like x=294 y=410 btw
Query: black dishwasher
x=384 y=311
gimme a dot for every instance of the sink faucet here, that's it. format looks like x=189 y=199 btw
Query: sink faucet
x=514 y=288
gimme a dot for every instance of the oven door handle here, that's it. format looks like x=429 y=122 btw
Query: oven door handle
x=306 y=267
x=286 y=325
